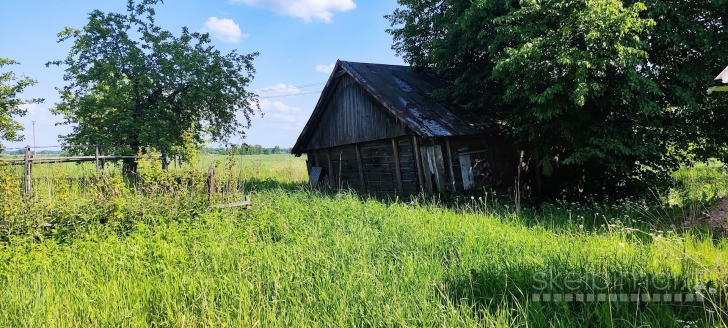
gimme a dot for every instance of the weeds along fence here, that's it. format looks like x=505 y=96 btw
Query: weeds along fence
x=43 y=183
x=28 y=156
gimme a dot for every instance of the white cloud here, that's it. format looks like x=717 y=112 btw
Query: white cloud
x=224 y=29
x=304 y=9
x=277 y=110
x=278 y=89
x=325 y=68
x=280 y=125
x=31 y=108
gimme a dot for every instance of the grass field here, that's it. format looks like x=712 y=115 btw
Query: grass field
x=156 y=253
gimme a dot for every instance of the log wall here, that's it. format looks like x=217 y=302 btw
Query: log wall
x=492 y=164
x=378 y=165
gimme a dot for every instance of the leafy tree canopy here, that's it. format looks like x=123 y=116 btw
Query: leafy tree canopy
x=131 y=83
x=611 y=92
x=10 y=104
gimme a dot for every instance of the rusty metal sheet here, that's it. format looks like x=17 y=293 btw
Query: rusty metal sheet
x=408 y=95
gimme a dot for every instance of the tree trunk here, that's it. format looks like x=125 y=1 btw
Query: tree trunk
x=129 y=166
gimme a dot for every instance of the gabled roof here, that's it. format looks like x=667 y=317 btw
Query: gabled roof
x=407 y=97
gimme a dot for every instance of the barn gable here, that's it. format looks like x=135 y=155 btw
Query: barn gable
x=351 y=115
x=377 y=128
x=363 y=102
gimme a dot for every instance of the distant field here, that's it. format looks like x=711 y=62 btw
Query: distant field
x=155 y=252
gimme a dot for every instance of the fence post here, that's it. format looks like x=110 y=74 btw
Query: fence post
x=27 y=171
x=96 y=157
x=210 y=183
x=165 y=165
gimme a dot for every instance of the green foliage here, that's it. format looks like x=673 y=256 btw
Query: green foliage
x=154 y=252
x=610 y=92
x=247 y=150
x=134 y=84
x=10 y=104
x=11 y=200
x=685 y=55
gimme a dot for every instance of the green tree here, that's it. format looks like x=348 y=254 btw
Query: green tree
x=133 y=84
x=687 y=49
x=10 y=104
x=595 y=87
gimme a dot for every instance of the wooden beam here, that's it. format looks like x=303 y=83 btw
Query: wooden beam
x=472 y=152
x=316 y=158
x=435 y=167
x=210 y=183
x=361 y=167
x=247 y=203
x=418 y=162
x=396 y=165
x=427 y=171
x=27 y=172
x=332 y=175
x=165 y=164
x=339 y=74
x=309 y=164
x=449 y=163
x=465 y=172
x=98 y=165
x=39 y=160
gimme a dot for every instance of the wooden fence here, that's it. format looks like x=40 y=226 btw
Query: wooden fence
x=29 y=159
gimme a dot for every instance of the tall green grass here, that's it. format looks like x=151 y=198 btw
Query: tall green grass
x=156 y=252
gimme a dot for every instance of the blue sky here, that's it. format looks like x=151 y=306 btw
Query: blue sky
x=298 y=41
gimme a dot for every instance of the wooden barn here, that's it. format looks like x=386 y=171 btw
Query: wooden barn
x=376 y=128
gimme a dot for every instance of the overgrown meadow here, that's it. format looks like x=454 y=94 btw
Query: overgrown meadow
x=99 y=249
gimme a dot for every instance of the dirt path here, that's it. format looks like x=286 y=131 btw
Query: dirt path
x=717 y=218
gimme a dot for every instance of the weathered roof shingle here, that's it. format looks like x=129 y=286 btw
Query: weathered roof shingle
x=408 y=97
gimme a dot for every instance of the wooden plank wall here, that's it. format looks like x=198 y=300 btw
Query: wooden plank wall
x=378 y=164
x=353 y=116
x=407 y=163
x=494 y=164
